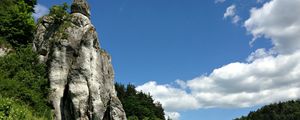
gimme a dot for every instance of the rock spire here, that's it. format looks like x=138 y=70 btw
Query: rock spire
x=80 y=72
x=81 y=6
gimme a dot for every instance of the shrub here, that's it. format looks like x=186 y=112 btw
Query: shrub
x=12 y=110
x=22 y=77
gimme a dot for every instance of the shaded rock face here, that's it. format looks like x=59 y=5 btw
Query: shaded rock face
x=80 y=72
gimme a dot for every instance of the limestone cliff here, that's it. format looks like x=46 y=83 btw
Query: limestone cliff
x=80 y=72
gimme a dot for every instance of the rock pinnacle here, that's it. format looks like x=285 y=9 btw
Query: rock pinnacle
x=81 y=6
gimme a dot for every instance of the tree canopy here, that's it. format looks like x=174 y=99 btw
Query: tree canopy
x=16 y=21
x=289 y=110
x=23 y=82
x=138 y=105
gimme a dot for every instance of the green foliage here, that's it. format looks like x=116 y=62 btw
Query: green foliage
x=12 y=110
x=4 y=43
x=16 y=23
x=23 y=78
x=31 y=4
x=23 y=83
x=138 y=105
x=279 y=111
x=62 y=18
x=60 y=13
x=133 y=118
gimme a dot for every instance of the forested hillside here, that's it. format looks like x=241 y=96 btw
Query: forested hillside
x=278 y=111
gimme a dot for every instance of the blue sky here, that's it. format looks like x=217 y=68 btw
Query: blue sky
x=194 y=56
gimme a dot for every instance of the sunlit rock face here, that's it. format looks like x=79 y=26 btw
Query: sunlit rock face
x=80 y=72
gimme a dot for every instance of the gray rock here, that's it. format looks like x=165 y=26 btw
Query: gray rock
x=80 y=72
x=4 y=50
x=81 y=6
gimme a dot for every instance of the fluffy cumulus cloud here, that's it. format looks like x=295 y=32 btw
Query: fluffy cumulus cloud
x=40 y=10
x=268 y=75
x=266 y=79
x=231 y=13
x=279 y=21
x=169 y=96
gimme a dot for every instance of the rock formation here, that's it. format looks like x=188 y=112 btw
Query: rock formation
x=80 y=72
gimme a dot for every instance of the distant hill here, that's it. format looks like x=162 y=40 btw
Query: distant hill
x=279 y=111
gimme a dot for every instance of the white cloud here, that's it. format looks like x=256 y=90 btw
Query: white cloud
x=172 y=115
x=169 y=96
x=265 y=80
x=220 y=1
x=236 y=19
x=172 y=99
x=279 y=21
x=262 y=81
x=234 y=85
x=40 y=10
x=231 y=13
x=267 y=76
x=181 y=84
x=260 y=53
x=261 y=1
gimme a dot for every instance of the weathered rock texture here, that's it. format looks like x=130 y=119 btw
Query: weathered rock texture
x=81 y=6
x=80 y=72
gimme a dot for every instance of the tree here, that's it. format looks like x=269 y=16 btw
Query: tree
x=23 y=78
x=23 y=83
x=138 y=105
x=16 y=22
x=289 y=110
x=31 y=4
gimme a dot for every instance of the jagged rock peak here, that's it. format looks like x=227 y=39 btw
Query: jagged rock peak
x=81 y=6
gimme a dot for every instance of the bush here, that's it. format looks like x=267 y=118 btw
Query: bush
x=22 y=77
x=12 y=110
